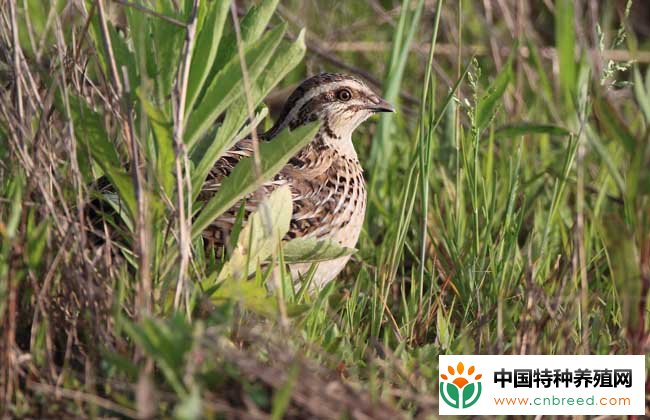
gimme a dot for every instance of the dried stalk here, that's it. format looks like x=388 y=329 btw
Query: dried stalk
x=181 y=158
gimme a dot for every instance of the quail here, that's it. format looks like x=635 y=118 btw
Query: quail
x=325 y=177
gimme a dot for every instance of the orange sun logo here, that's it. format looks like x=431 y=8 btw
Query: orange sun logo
x=459 y=389
x=460 y=381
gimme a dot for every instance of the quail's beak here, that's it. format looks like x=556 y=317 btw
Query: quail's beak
x=381 y=106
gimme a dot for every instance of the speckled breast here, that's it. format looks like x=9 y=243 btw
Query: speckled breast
x=338 y=202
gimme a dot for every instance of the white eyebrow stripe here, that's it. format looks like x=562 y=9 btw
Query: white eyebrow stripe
x=311 y=94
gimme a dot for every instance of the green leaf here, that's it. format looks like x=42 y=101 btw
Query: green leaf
x=91 y=135
x=164 y=143
x=468 y=391
x=444 y=337
x=273 y=156
x=167 y=342
x=124 y=58
x=306 y=250
x=167 y=44
x=250 y=294
x=190 y=407
x=525 y=128
x=205 y=49
x=138 y=24
x=261 y=236
x=488 y=103
x=209 y=150
x=251 y=27
x=228 y=84
x=285 y=60
x=452 y=390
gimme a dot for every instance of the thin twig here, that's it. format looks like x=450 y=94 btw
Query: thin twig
x=82 y=396
x=142 y=248
x=16 y=63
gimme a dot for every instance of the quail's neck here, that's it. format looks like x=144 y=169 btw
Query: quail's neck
x=342 y=145
x=337 y=139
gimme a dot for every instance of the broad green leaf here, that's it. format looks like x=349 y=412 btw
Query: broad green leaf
x=91 y=135
x=139 y=25
x=285 y=60
x=228 y=84
x=442 y=324
x=251 y=27
x=191 y=406
x=205 y=50
x=250 y=294
x=167 y=43
x=167 y=342
x=261 y=236
x=164 y=142
x=124 y=58
x=211 y=149
x=488 y=102
x=307 y=250
x=273 y=156
x=524 y=128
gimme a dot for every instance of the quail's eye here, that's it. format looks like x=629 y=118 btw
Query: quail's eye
x=344 y=95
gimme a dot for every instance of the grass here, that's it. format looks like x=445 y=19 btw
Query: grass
x=508 y=203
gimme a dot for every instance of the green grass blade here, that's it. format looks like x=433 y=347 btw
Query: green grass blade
x=565 y=41
x=382 y=145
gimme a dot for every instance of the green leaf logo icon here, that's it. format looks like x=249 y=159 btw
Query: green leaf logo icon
x=459 y=389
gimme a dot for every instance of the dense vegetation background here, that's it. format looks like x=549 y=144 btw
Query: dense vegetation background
x=509 y=201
